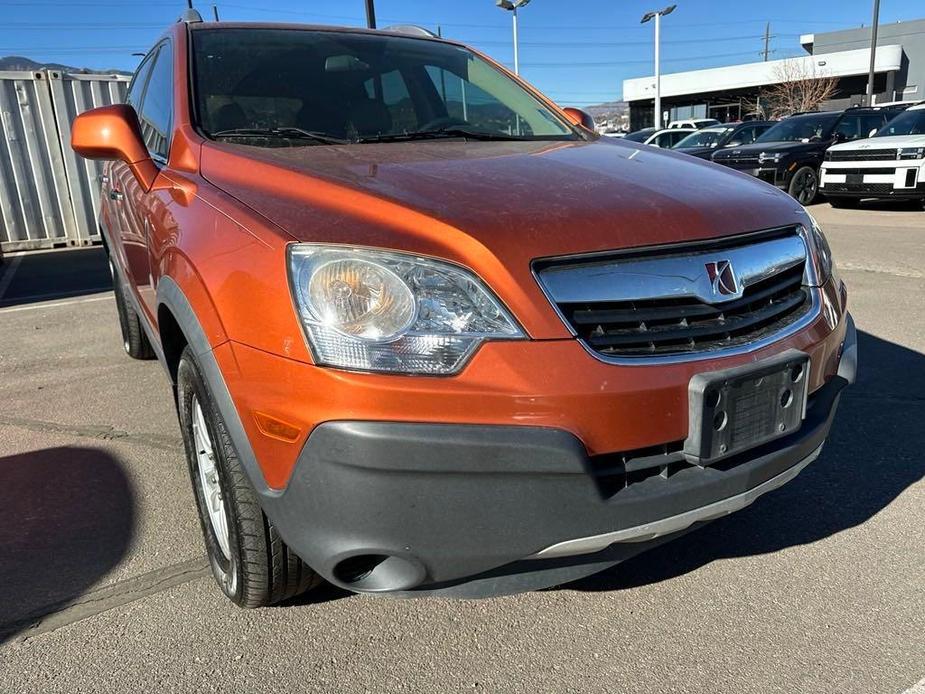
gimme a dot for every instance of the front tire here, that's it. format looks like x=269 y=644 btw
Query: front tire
x=250 y=562
x=134 y=341
x=804 y=186
x=845 y=203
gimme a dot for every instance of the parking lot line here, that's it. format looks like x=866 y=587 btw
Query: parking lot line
x=108 y=597
x=31 y=307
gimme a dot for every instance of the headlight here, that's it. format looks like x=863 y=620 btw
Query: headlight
x=821 y=267
x=911 y=153
x=382 y=311
x=770 y=157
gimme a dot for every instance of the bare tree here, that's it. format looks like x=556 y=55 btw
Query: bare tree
x=798 y=88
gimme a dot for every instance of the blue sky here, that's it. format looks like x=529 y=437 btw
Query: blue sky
x=577 y=53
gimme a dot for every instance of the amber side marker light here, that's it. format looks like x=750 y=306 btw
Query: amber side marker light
x=276 y=428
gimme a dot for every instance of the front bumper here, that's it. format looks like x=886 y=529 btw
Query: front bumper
x=510 y=508
x=903 y=180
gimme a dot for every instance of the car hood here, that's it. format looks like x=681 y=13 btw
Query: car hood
x=758 y=147
x=541 y=198
x=496 y=206
x=890 y=142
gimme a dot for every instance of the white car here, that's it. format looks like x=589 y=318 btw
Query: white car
x=890 y=164
x=695 y=123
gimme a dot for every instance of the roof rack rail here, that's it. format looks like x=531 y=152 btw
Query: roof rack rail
x=411 y=30
x=190 y=16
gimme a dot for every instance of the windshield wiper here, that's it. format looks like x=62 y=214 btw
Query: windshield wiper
x=287 y=133
x=440 y=134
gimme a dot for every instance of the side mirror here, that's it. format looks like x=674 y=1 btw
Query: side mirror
x=580 y=118
x=838 y=137
x=873 y=131
x=112 y=132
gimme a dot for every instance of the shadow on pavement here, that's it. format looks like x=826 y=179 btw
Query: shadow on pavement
x=873 y=454
x=60 y=274
x=67 y=518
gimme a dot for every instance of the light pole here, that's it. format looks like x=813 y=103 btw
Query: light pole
x=512 y=6
x=873 y=53
x=657 y=15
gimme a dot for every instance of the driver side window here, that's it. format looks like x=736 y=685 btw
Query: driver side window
x=156 y=113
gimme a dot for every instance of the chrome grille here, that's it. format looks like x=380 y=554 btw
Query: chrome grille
x=739 y=162
x=664 y=303
x=861 y=155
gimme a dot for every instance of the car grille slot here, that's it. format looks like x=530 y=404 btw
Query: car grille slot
x=863 y=155
x=692 y=321
x=858 y=188
x=652 y=327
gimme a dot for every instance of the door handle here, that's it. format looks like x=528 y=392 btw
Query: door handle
x=115 y=194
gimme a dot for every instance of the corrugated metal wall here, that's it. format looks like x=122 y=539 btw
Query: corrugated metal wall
x=48 y=195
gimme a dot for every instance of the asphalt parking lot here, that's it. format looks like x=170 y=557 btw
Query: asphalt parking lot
x=819 y=587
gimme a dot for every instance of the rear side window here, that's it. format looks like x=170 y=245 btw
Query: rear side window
x=157 y=104
x=853 y=127
x=746 y=135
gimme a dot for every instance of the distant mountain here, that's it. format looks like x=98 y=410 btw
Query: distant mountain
x=18 y=62
x=608 y=109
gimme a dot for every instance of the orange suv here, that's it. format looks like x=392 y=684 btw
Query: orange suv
x=429 y=334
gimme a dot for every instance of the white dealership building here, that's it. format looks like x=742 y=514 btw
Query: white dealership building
x=730 y=93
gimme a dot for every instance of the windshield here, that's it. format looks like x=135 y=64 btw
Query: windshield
x=801 y=128
x=276 y=87
x=703 y=138
x=906 y=123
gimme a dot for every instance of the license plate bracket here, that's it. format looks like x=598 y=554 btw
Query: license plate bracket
x=854 y=179
x=739 y=408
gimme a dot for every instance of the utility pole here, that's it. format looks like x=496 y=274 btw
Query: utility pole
x=767 y=40
x=873 y=53
x=370 y=14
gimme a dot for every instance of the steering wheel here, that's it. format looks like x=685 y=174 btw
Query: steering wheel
x=443 y=122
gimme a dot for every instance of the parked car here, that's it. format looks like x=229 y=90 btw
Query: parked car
x=789 y=154
x=695 y=123
x=423 y=348
x=891 y=164
x=704 y=143
x=665 y=138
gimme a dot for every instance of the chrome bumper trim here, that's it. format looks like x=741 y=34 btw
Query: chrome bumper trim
x=673 y=524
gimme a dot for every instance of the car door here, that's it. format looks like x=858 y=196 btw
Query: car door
x=143 y=208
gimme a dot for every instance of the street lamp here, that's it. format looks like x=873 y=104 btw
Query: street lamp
x=512 y=6
x=657 y=15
